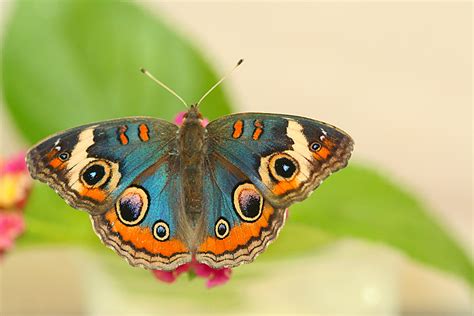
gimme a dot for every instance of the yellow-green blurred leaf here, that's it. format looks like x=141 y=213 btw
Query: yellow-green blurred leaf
x=358 y=202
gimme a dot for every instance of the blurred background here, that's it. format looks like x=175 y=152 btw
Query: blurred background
x=397 y=76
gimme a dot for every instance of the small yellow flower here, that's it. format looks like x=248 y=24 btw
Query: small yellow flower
x=15 y=184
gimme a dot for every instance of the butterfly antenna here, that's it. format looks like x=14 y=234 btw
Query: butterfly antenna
x=149 y=75
x=219 y=82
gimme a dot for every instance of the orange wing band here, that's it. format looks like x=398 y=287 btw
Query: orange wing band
x=143 y=132
x=122 y=136
x=238 y=236
x=258 y=130
x=238 y=129
x=142 y=238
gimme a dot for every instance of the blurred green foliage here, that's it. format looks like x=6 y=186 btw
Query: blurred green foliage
x=67 y=63
x=361 y=203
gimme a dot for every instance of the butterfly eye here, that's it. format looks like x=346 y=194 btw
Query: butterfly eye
x=222 y=228
x=315 y=146
x=132 y=206
x=64 y=156
x=161 y=231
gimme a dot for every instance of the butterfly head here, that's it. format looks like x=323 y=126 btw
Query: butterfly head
x=192 y=114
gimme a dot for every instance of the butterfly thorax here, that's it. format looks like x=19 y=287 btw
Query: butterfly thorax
x=191 y=148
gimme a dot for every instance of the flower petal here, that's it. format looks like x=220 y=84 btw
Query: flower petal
x=12 y=225
x=203 y=270
x=170 y=276
x=165 y=276
x=16 y=164
x=219 y=277
x=179 y=118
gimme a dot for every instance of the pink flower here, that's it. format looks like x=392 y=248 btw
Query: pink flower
x=180 y=118
x=12 y=225
x=171 y=276
x=214 y=276
x=15 y=185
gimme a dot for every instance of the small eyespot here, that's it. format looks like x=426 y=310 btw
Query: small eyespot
x=161 y=231
x=132 y=206
x=64 y=156
x=283 y=167
x=222 y=228
x=248 y=202
x=315 y=146
x=95 y=174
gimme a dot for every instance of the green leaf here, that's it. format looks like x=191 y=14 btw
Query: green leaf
x=358 y=202
x=296 y=239
x=67 y=63
x=50 y=220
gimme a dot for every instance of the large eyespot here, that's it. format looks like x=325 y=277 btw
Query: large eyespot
x=283 y=167
x=222 y=229
x=64 y=156
x=248 y=202
x=161 y=231
x=95 y=174
x=314 y=147
x=132 y=206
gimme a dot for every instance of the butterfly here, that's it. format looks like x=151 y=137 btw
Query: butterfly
x=161 y=195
